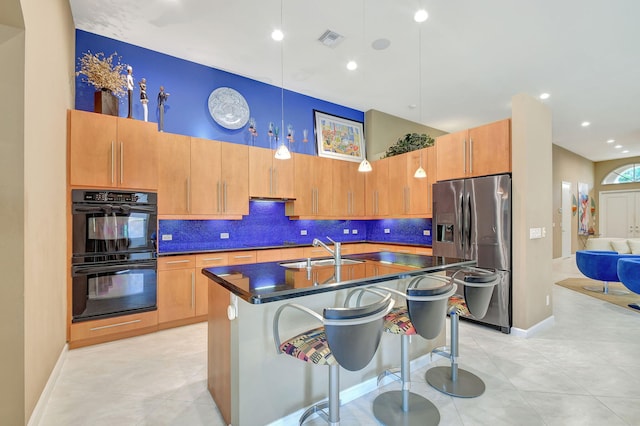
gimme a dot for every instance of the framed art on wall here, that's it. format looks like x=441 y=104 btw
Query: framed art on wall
x=339 y=137
x=583 y=209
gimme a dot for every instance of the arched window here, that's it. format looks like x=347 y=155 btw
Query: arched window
x=628 y=173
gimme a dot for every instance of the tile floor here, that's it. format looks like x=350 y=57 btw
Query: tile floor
x=582 y=371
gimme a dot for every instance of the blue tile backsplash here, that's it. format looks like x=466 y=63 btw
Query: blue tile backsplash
x=267 y=225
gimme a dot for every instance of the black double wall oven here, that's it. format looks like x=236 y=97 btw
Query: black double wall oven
x=114 y=261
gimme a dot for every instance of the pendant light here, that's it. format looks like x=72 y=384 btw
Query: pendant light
x=282 y=152
x=420 y=172
x=365 y=165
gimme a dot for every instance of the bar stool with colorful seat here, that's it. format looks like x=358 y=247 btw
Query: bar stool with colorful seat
x=629 y=274
x=348 y=338
x=478 y=288
x=423 y=314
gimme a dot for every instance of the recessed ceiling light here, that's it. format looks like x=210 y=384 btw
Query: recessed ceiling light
x=585 y=123
x=611 y=141
x=413 y=106
x=544 y=96
x=618 y=146
x=421 y=15
x=277 y=35
x=381 y=44
x=626 y=151
x=352 y=65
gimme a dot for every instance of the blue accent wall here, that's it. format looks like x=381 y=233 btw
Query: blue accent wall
x=190 y=84
x=267 y=226
x=186 y=113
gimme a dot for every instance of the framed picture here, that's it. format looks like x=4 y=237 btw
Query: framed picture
x=338 y=137
x=583 y=209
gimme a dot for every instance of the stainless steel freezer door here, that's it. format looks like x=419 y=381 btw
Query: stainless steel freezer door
x=487 y=221
x=448 y=218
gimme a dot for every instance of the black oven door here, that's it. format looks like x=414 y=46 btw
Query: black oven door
x=109 y=232
x=108 y=290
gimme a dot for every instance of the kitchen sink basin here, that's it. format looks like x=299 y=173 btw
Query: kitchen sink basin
x=320 y=262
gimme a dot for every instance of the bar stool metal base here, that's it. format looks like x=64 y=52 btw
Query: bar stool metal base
x=387 y=409
x=605 y=290
x=466 y=385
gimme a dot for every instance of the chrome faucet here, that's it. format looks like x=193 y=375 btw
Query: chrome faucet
x=335 y=252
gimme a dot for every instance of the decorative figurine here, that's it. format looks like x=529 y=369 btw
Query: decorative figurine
x=162 y=98
x=290 y=133
x=130 y=89
x=253 y=131
x=305 y=134
x=144 y=100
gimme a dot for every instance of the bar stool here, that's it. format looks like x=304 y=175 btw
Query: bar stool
x=424 y=314
x=348 y=337
x=478 y=288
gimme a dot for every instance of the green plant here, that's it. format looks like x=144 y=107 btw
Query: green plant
x=410 y=142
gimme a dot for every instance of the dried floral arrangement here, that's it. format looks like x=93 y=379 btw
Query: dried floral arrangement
x=410 y=142
x=104 y=72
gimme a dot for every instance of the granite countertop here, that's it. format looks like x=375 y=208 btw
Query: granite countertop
x=268 y=282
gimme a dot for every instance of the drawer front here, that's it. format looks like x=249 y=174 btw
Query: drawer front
x=209 y=260
x=104 y=327
x=241 y=257
x=315 y=252
x=176 y=262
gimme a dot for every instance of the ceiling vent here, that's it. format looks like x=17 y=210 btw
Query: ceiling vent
x=330 y=38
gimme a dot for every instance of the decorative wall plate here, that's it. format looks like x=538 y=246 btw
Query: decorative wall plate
x=228 y=108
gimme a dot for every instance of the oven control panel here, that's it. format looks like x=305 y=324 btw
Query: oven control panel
x=113 y=197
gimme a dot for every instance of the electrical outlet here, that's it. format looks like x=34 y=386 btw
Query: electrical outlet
x=547 y=300
x=303 y=232
x=345 y=231
x=354 y=231
x=224 y=235
x=426 y=232
x=387 y=230
x=535 y=233
x=167 y=237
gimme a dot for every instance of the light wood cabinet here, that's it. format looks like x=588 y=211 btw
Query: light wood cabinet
x=313 y=187
x=377 y=189
x=176 y=288
x=410 y=196
x=269 y=177
x=202 y=177
x=112 y=152
x=348 y=190
x=108 y=329
x=481 y=151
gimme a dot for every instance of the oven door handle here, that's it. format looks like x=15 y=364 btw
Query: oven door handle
x=92 y=209
x=97 y=269
x=126 y=208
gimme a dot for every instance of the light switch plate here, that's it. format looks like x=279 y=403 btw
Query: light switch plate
x=426 y=232
x=345 y=231
x=354 y=231
x=535 y=233
x=303 y=232
x=387 y=230
x=167 y=237
x=224 y=235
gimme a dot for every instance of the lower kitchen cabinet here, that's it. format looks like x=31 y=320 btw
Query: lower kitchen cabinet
x=104 y=330
x=177 y=289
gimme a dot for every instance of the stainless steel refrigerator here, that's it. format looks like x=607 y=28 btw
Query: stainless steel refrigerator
x=472 y=220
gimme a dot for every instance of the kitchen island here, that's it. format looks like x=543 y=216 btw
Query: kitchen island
x=250 y=382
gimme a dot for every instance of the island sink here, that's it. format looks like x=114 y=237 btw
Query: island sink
x=319 y=262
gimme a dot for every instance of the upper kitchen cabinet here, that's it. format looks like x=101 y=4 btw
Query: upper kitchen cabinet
x=196 y=181
x=111 y=152
x=348 y=190
x=377 y=189
x=481 y=151
x=220 y=178
x=269 y=177
x=313 y=187
x=410 y=196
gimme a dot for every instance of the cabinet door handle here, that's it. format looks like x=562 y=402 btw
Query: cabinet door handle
x=275 y=182
x=173 y=262
x=224 y=186
x=193 y=290
x=113 y=161
x=188 y=194
x=464 y=155
x=121 y=162
x=208 y=259
x=470 y=156
x=120 y=324
x=243 y=256
x=270 y=180
x=219 y=196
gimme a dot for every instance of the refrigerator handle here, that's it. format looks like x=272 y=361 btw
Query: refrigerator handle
x=468 y=224
x=461 y=221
